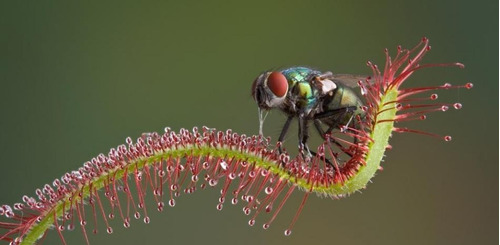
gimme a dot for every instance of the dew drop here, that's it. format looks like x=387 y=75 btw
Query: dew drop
x=246 y=210
x=288 y=232
x=126 y=224
x=26 y=198
x=161 y=173
x=71 y=227
x=111 y=215
x=212 y=182
x=147 y=220
x=447 y=138
x=251 y=222
x=457 y=106
x=9 y=214
x=264 y=173
x=447 y=85
x=194 y=178
x=469 y=85
x=128 y=140
x=434 y=96
x=265 y=226
x=109 y=230
x=268 y=190
x=160 y=206
x=250 y=198
x=423 y=117
x=61 y=227
x=18 y=206
x=251 y=174
x=219 y=206
x=171 y=202
x=83 y=222
x=137 y=215
x=444 y=108
x=232 y=176
x=223 y=165
x=234 y=201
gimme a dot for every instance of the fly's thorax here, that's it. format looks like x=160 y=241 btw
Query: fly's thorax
x=302 y=96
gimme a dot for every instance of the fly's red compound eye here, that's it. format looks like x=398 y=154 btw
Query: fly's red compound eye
x=277 y=83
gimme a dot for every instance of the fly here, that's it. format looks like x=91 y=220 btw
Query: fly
x=309 y=95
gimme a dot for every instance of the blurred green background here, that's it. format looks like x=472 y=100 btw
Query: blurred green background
x=77 y=78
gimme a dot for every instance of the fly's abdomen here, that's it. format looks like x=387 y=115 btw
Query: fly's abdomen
x=342 y=108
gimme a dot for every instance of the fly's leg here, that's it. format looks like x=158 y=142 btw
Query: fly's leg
x=283 y=133
x=336 y=112
x=317 y=125
x=303 y=136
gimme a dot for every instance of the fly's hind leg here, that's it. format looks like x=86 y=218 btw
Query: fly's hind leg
x=340 y=112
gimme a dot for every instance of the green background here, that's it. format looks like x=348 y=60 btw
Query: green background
x=76 y=79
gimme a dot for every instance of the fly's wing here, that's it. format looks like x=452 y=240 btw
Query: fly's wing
x=350 y=80
x=327 y=81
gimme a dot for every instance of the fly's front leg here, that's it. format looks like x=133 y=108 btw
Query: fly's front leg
x=283 y=133
x=304 y=136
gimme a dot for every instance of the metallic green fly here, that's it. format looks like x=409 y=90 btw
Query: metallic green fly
x=310 y=95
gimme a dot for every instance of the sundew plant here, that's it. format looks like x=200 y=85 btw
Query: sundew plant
x=248 y=170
